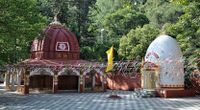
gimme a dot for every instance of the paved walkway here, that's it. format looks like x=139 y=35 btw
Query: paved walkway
x=93 y=101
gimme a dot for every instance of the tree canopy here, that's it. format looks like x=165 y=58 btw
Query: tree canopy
x=133 y=46
x=20 y=24
x=116 y=18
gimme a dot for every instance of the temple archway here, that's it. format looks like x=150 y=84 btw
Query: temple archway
x=41 y=79
x=68 y=79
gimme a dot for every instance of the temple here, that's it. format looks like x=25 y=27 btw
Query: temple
x=55 y=65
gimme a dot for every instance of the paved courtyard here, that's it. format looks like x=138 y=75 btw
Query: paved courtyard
x=93 y=101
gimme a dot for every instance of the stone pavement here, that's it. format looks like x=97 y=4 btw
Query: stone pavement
x=93 y=101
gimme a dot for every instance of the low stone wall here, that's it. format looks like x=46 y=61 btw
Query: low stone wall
x=122 y=82
x=174 y=93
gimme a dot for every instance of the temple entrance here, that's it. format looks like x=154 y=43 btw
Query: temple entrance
x=149 y=80
x=93 y=81
x=41 y=82
x=89 y=82
x=68 y=82
x=150 y=75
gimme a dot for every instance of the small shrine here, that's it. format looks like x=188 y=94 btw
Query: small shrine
x=163 y=69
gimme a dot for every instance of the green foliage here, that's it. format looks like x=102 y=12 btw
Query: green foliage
x=120 y=22
x=180 y=2
x=135 y=43
x=160 y=12
x=20 y=22
x=117 y=18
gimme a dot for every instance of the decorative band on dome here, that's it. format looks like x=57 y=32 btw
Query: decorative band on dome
x=171 y=85
x=55 y=23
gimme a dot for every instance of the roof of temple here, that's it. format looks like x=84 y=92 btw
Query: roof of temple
x=57 y=42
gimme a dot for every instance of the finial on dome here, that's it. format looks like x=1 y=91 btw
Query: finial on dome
x=55 y=22
x=55 y=18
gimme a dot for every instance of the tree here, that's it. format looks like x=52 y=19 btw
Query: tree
x=20 y=23
x=116 y=18
x=160 y=12
x=135 y=43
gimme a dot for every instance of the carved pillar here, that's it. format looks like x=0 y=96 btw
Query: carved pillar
x=93 y=82
x=16 y=78
x=7 y=80
x=104 y=82
x=9 y=77
x=13 y=81
x=19 y=80
x=81 y=87
x=55 y=83
x=26 y=84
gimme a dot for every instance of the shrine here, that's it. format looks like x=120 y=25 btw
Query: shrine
x=163 y=69
x=55 y=65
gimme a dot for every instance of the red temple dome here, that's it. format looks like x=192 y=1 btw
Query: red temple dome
x=58 y=42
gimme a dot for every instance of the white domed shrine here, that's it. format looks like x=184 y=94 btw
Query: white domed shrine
x=165 y=53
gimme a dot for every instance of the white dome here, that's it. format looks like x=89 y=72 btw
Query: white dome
x=165 y=52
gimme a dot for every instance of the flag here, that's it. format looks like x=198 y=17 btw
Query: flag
x=110 y=59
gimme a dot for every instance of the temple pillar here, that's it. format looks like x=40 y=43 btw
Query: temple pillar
x=7 y=81
x=104 y=83
x=18 y=80
x=12 y=81
x=55 y=83
x=26 y=85
x=23 y=88
x=81 y=89
x=93 y=82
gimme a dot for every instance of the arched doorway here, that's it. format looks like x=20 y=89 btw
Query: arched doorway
x=68 y=80
x=150 y=76
x=41 y=82
x=41 y=79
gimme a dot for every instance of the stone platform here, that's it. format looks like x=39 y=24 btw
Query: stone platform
x=174 y=93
